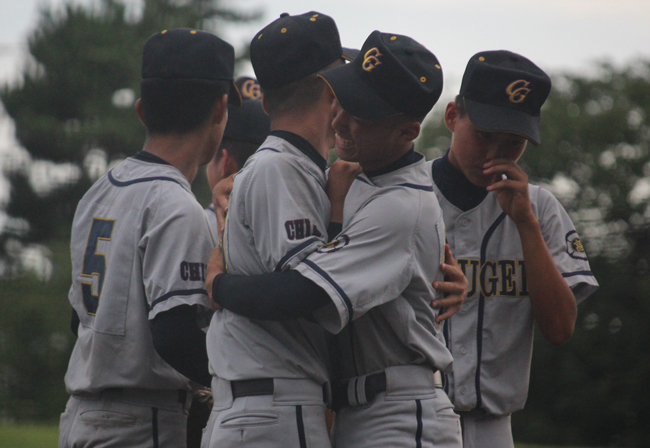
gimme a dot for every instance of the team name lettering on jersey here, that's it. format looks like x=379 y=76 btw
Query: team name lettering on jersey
x=193 y=271
x=506 y=278
x=298 y=229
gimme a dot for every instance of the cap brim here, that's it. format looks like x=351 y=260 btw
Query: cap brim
x=349 y=54
x=354 y=95
x=492 y=118
x=234 y=96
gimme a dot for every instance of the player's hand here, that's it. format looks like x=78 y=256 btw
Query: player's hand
x=220 y=200
x=215 y=267
x=511 y=191
x=340 y=178
x=454 y=287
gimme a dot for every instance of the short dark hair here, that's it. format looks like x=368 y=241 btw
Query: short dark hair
x=296 y=96
x=238 y=149
x=179 y=106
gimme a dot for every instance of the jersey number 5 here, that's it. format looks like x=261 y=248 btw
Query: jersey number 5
x=94 y=267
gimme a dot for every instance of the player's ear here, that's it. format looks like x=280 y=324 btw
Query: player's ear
x=138 y=110
x=452 y=114
x=409 y=131
x=220 y=112
x=264 y=105
x=229 y=163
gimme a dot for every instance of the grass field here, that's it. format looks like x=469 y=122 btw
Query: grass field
x=47 y=436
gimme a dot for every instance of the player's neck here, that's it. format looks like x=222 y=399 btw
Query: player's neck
x=314 y=129
x=183 y=152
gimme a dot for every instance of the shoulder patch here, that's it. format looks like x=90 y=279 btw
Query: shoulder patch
x=338 y=243
x=574 y=246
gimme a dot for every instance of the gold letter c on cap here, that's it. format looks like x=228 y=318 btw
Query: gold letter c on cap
x=370 y=59
x=517 y=91
x=250 y=90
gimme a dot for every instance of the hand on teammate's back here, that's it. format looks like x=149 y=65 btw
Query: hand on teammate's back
x=454 y=287
x=340 y=178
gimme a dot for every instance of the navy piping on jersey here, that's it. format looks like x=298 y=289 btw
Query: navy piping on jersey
x=267 y=149
x=481 y=309
x=154 y=429
x=303 y=145
x=118 y=183
x=186 y=292
x=407 y=185
x=417 y=187
x=331 y=281
x=573 y=274
x=294 y=251
x=301 y=427
x=148 y=157
x=418 y=416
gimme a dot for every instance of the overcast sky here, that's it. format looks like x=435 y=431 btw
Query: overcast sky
x=558 y=35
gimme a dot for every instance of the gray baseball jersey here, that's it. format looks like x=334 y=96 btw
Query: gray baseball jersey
x=379 y=271
x=278 y=213
x=491 y=336
x=212 y=219
x=140 y=245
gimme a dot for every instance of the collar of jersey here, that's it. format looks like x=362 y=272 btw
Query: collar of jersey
x=148 y=157
x=407 y=159
x=303 y=145
x=454 y=186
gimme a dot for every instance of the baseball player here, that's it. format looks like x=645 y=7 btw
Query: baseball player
x=372 y=285
x=247 y=128
x=519 y=249
x=269 y=377
x=139 y=246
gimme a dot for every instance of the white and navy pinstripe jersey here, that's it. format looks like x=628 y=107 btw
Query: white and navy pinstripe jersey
x=379 y=271
x=491 y=337
x=140 y=245
x=278 y=213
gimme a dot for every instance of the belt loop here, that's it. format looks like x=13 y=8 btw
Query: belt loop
x=357 y=391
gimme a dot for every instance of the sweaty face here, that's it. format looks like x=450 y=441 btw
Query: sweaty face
x=472 y=148
x=371 y=143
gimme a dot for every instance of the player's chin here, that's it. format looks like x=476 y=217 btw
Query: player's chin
x=347 y=154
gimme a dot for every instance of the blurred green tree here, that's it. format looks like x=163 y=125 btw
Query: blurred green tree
x=73 y=110
x=73 y=113
x=595 y=158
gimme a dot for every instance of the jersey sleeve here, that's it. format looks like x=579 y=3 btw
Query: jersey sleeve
x=368 y=264
x=175 y=250
x=287 y=207
x=565 y=246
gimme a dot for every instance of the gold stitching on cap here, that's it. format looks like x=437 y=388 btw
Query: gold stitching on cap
x=259 y=37
x=370 y=59
x=250 y=89
x=393 y=38
x=193 y=32
x=481 y=58
x=423 y=79
x=518 y=90
x=312 y=19
x=164 y=31
x=315 y=15
x=283 y=30
x=437 y=66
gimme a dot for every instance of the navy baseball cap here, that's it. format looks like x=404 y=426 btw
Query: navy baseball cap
x=189 y=54
x=392 y=75
x=294 y=47
x=248 y=122
x=504 y=92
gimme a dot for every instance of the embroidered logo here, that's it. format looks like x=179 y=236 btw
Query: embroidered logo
x=517 y=91
x=371 y=59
